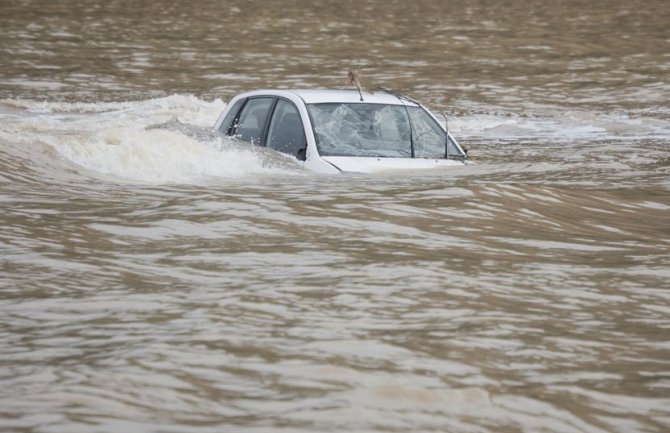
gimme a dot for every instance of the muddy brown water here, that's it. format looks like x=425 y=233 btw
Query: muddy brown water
x=153 y=279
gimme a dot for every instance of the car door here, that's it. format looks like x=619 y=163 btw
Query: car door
x=286 y=133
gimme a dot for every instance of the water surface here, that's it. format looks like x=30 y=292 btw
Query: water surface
x=156 y=277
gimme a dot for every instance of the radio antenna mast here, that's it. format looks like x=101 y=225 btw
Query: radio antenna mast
x=353 y=79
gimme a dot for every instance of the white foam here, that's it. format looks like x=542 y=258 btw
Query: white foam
x=560 y=126
x=186 y=108
x=160 y=156
x=118 y=140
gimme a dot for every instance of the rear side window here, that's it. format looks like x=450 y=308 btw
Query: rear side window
x=252 y=120
x=227 y=123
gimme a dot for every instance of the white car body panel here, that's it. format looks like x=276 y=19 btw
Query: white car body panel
x=371 y=165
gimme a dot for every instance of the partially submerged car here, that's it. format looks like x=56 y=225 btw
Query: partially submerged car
x=333 y=131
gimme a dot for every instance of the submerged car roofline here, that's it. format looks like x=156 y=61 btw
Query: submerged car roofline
x=320 y=96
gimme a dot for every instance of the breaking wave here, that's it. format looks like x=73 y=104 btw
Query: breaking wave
x=166 y=140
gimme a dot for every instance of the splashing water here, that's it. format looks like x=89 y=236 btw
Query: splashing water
x=122 y=141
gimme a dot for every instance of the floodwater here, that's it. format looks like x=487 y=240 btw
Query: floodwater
x=155 y=277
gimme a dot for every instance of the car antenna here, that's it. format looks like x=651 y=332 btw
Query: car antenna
x=354 y=80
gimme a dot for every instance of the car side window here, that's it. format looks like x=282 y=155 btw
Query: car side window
x=227 y=123
x=286 y=133
x=252 y=120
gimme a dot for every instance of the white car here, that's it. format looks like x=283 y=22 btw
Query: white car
x=333 y=131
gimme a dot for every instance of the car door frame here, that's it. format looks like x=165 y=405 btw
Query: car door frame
x=313 y=160
x=232 y=129
x=265 y=129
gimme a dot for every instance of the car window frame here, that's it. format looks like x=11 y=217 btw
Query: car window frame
x=266 y=132
x=232 y=131
x=229 y=122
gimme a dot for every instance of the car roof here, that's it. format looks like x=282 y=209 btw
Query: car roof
x=317 y=96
